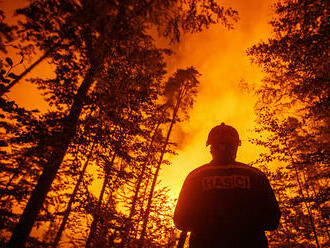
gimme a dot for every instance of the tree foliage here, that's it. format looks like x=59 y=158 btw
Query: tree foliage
x=105 y=90
x=293 y=118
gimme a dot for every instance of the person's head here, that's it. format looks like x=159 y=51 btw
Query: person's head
x=224 y=141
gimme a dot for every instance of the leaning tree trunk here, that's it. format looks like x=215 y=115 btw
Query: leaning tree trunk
x=322 y=220
x=160 y=160
x=140 y=216
x=73 y=195
x=103 y=231
x=310 y=215
x=307 y=206
x=137 y=191
x=96 y=219
x=38 y=196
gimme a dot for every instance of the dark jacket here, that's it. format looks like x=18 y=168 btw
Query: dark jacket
x=227 y=206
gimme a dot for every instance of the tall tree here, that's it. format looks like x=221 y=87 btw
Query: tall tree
x=293 y=110
x=72 y=198
x=144 y=170
x=181 y=90
x=88 y=36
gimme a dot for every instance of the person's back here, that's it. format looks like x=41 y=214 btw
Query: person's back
x=226 y=204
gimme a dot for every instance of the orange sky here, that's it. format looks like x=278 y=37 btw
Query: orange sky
x=219 y=55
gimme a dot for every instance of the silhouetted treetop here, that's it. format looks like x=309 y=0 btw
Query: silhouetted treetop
x=106 y=86
x=293 y=117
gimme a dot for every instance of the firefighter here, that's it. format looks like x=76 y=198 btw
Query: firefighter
x=226 y=204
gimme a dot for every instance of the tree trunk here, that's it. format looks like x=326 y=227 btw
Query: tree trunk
x=96 y=219
x=147 y=212
x=38 y=196
x=137 y=190
x=73 y=195
x=311 y=219
x=322 y=220
x=144 y=199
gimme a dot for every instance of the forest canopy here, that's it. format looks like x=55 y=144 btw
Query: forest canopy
x=293 y=119
x=113 y=104
x=113 y=107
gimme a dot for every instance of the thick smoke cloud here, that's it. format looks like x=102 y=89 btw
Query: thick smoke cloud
x=219 y=55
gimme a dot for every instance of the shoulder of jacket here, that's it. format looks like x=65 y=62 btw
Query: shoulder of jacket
x=249 y=168
x=236 y=165
x=198 y=169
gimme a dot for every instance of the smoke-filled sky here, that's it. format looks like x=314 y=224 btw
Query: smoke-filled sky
x=219 y=55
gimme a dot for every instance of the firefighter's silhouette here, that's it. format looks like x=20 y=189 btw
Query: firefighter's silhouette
x=226 y=204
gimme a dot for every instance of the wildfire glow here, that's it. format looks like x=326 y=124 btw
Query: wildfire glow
x=219 y=55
